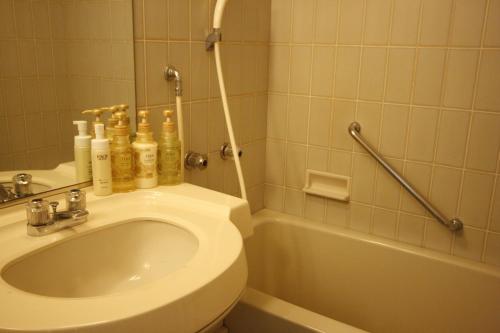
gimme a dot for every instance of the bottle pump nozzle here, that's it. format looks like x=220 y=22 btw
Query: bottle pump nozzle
x=82 y=127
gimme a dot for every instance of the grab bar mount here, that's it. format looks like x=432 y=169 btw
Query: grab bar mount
x=453 y=224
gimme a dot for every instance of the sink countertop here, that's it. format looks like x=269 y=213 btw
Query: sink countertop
x=179 y=302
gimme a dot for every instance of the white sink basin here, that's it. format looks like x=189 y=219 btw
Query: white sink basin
x=164 y=260
x=110 y=260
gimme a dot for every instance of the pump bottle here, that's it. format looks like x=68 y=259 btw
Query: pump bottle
x=82 y=152
x=122 y=164
x=145 y=154
x=101 y=163
x=169 y=152
x=97 y=113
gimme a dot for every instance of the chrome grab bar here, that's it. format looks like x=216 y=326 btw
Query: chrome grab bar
x=454 y=224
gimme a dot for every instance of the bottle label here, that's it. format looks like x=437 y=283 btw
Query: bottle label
x=145 y=163
x=170 y=163
x=122 y=166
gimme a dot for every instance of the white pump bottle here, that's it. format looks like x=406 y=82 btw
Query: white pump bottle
x=82 y=153
x=101 y=162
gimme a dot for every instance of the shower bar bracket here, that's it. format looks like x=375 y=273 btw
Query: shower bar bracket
x=454 y=224
x=212 y=38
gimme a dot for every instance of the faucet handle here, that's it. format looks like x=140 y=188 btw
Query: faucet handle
x=54 y=205
x=37 y=212
x=76 y=200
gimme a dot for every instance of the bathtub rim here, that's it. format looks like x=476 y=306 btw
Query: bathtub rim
x=295 y=314
x=266 y=216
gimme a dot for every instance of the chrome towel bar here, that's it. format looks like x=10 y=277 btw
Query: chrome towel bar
x=454 y=224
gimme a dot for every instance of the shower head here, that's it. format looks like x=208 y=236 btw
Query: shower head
x=218 y=13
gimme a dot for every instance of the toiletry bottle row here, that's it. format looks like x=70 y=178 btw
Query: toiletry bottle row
x=117 y=165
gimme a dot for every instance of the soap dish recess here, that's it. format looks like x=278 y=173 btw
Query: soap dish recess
x=327 y=185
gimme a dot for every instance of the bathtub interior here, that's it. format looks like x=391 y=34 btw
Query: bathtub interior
x=371 y=284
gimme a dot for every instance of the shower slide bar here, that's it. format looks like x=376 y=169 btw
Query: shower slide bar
x=454 y=224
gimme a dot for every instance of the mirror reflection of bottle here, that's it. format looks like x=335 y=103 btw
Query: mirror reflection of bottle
x=83 y=162
x=101 y=162
x=122 y=165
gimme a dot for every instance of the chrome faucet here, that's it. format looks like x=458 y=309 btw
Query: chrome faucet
x=42 y=222
x=21 y=188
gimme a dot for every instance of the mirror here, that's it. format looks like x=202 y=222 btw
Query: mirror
x=58 y=58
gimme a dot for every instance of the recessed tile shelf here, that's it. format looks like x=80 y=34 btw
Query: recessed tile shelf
x=327 y=185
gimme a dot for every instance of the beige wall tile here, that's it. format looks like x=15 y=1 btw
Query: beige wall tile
x=369 y=117
x=326 y=21
x=300 y=69
x=360 y=217
x=276 y=119
x=384 y=223
x=393 y=134
x=317 y=159
x=178 y=19
x=373 y=71
x=303 y=21
x=411 y=229
x=452 y=137
x=460 y=78
x=340 y=162
x=492 y=249
x=7 y=17
x=377 y=22
x=387 y=190
x=435 y=22
x=314 y=208
x=199 y=19
x=422 y=136
x=489 y=80
x=351 y=22
x=469 y=244
x=437 y=237
x=428 y=76
x=298 y=111
x=281 y=16
x=294 y=202
x=445 y=189
x=467 y=23
x=275 y=162
x=492 y=37
x=273 y=197
x=477 y=189
x=295 y=166
x=343 y=115
x=323 y=70
x=346 y=72
x=363 y=178
x=319 y=120
x=279 y=60
x=495 y=214
x=484 y=142
x=156 y=25
x=337 y=213
x=405 y=22
x=400 y=75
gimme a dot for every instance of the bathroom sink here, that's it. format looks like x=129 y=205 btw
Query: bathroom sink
x=109 y=260
x=165 y=260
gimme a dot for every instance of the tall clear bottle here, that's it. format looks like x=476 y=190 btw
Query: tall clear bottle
x=145 y=154
x=169 y=152
x=122 y=161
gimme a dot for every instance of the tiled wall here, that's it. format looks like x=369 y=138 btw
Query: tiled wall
x=173 y=32
x=423 y=79
x=53 y=64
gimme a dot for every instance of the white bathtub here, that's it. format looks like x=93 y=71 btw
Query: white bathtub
x=333 y=276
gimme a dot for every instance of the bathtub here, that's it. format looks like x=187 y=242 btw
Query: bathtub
x=311 y=277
